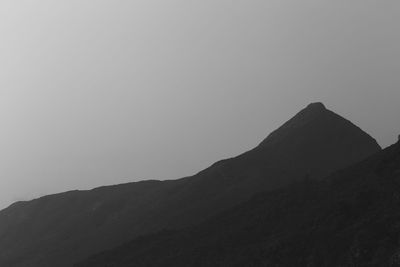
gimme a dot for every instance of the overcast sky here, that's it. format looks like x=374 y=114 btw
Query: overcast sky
x=96 y=92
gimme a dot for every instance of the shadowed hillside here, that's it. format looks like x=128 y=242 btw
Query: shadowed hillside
x=350 y=219
x=61 y=229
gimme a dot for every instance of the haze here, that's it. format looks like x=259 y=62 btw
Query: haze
x=102 y=92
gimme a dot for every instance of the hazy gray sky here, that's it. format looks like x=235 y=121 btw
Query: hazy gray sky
x=96 y=92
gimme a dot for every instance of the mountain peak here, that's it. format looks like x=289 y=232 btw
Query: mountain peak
x=304 y=117
x=316 y=106
x=318 y=134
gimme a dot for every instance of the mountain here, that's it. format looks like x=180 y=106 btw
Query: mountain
x=316 y=134
x=350 y=219
x=61 y=229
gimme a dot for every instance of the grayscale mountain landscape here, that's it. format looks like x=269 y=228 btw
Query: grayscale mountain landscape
x=61 y=229
x=212 y=133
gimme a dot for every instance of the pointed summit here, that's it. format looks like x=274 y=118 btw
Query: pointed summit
x=316 y=134
x=316 y=106
x=305 y=116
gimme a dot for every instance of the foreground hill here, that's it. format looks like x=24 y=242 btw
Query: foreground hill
x=61 y=229
x=350 y=219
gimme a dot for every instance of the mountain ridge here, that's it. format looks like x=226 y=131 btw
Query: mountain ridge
x=349 y=219
x=61 y=229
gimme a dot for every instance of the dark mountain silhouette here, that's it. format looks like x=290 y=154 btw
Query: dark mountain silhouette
x=350 y=219
x=58 y=230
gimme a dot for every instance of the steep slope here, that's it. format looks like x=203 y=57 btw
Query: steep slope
x=327 y=130
x=60 y=229
x=350 y=219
